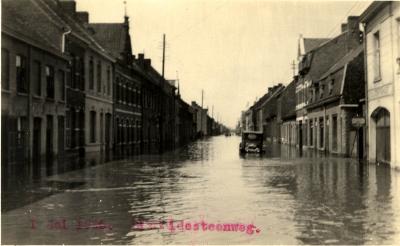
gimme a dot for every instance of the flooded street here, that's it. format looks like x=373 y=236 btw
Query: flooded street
x=280 y=198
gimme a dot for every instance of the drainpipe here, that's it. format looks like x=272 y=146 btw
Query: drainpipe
x=68 y=31
x=366 y=140
x=29 y=109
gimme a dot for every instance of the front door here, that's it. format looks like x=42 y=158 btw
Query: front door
x=383 y=136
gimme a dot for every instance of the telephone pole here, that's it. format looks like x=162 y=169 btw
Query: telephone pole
x=202 y=111
x=293 y=67
x=163 y=56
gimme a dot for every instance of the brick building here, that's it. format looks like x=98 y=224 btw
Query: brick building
x=127 y=101
x=271 y=127
x=334 y=94
x=89 y=85
x=34 y=70
x=286 y=108
x=312 y=67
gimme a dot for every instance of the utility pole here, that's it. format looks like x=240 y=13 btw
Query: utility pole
x=202 y=111
x=293 y=67
x=163 y=56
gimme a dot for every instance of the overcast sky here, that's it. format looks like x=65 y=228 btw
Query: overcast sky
x=232 y=49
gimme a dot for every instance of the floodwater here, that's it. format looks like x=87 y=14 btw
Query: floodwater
x=198 y=194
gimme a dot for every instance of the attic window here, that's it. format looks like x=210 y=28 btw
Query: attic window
x=331 y=84
x=321 y=91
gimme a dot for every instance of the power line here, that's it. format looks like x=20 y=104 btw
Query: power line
x=199 y=22
x=344 y=18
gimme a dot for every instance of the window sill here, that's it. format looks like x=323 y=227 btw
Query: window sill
x=22 y=94
x=377 y=80
x=50 y=99
x=37 y=97
x=5 y=91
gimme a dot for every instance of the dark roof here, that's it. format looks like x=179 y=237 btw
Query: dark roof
x=372 y=9
x=288 y=101
x=344 y=60
x=111 y=36
x=347 y=83
x=26 y=20
x=312 y=43
x=78 y=29
x=326 y=55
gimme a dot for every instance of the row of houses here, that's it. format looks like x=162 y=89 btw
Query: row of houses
x=72 y=88
x=345 y=97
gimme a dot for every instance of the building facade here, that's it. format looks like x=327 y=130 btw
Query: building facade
x=286 y=107
x=34 y=69
x=382 y=52
x=126 y=86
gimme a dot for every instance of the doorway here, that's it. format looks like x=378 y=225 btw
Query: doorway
x=382 y=119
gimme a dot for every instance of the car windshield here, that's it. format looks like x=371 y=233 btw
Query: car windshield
x=252 y=137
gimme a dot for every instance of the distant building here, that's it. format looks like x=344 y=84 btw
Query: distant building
x=286 y=109
x=382 y=24
x=270 y=127
x=201 y=119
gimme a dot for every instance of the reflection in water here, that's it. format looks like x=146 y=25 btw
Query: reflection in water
x=293 y=200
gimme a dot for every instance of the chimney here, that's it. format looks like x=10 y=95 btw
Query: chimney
x=353 y=32
x=68 y=6
x=83 y=17
x=147 y=63
x=141 y=58
x=344 y=27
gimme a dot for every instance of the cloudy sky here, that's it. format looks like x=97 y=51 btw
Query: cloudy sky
x=232 y=49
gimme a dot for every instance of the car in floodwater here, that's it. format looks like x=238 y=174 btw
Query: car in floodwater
x=252 y=142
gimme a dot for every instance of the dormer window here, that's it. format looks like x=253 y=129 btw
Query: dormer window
x=331 y=84
x=321 y=92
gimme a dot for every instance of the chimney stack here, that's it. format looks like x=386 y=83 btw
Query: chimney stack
x=140 y=57
x=353 y=32
x=83 y=17
x=344 y=27
x=147 y=63
x=68 y=6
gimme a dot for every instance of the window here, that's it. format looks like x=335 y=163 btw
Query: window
x=331 y=84
x=99 y=77
x=117 y=89
x=20 y=64
x=22 y=128
x=50 y=81
x=61 y=84
x=311 y=132
x=92 y=126
x=5 y=69
x=68 y=129
x=334 y=132
x=321 y=132
x=321 y=92
x=108 y=81
x=91 y=74
x=377 y=56
x=101 y=127
x=37 y=78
